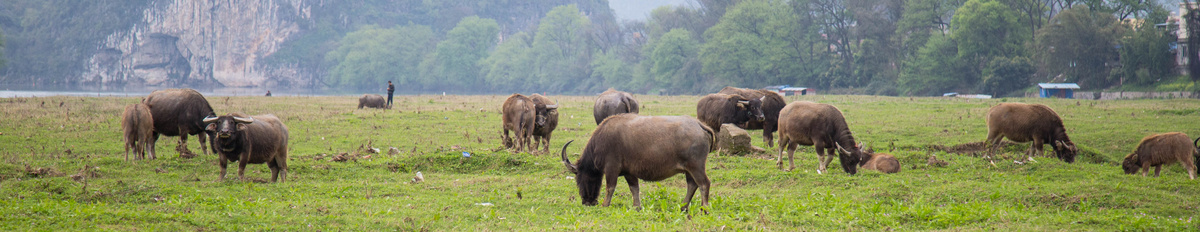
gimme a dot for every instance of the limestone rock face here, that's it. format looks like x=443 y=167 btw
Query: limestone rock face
x=185 y=42
x=734 y=141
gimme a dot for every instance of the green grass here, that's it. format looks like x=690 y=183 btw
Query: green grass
x=532 y=192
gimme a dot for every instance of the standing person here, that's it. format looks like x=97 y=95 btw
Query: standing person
x=391 y=88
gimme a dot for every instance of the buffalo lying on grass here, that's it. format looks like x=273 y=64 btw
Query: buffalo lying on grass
x=650 y=148
x=138 y=125
x=1035 y=123
x=772 y=103
x=518 y=115
x=821 y=126
x=250 y=140
x=1160 y=149
x=372 y=101
x=881 y=162
x=716 y=109
x=178 y=112
x=613 y=102
x=546 y=121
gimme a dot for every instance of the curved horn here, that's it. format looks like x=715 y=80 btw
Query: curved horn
x=1196 y=141
x=743 y=102
x=839 y=147
x=244 y=120
x=570 y=167
x=210 y=119
x=555 y=106
x=763 y=98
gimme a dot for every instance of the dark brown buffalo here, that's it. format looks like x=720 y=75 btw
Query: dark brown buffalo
x=650 y=148
x=372 y=101
x=881 y=162
x=250 y=140
x=546 y=121
x=716 y=109
x=178 y=112
x=772 y=103
x=821 y=126
x=1158 y=150
x=1021 y=122
x=518 y=115
x=138 y=125
x=613 y=102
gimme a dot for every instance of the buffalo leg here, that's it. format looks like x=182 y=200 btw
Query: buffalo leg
x=1145 y=168
x=991 y=144
x=274 y=170
x=768 y=138
x=1036 y=150
x=282 y=163
x=610 y=179
x=1191 y=168
x=127 y=146
x=203 y=147
x=508 y=143
x=785 y=144
x=153 y=141
x=633 y=189
x=1157 y=168
x=224 y=164
x=696 y=179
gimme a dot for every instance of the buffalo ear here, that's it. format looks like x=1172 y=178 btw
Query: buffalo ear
x=211 y=127
x=241 y=127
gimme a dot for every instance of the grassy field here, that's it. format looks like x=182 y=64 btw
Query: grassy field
x=62 y=167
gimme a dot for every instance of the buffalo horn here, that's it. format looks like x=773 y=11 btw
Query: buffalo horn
x=763 y=98
x=1196 y=141
x=244 y=120
x=210 y=119
x=839 y=147
x=555 y=106
x=570 y=167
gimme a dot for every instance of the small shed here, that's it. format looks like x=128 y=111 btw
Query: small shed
x=1059 y=90
x=792 y=91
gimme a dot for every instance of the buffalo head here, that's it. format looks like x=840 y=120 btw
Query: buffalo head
x=226 y=126
x=753 y=108
x=587 y=177
x=850 y=158
x=544 y=112
x=1065 y=151
x=1131 y=164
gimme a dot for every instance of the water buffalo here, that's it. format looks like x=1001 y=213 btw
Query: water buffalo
x=518 y=115
x=546 y=121
x=178 y=112
x=613 y=102
x=821 y=126
x=772 y=103
x=372 y=101
x=881 y=162
x=138 y=125
x=1157 y=150
x=716 y=109
x=1021 y=122
x=650 y=148
x=250 y=140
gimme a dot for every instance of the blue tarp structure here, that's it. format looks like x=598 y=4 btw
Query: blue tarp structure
x=1059 y=90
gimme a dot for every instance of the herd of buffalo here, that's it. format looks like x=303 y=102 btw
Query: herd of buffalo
x=649 y=148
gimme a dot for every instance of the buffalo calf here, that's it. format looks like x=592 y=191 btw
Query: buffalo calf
x=881 y=162
x=1160 y=149
x=250 y=140
x=650 y=148
x=138 y=125
x=372 y=101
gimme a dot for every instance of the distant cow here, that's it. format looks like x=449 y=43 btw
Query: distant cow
x=881 y=162
x=372 y=101
x=650 y=148
x=1160 y=149
x=613 y=102
x=772 y=103
x=546 y=121
x=518 y=115
x=178 y=112
x=250 y=140
x=821 y=126
x=1021 y=122
x=138 y=125
x=716 y=109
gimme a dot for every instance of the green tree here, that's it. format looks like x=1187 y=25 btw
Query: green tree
x=1146 y=54
x=371 y=56
x=1080 y=44
x=935 y=69
x=987 y=28
x=510 y=65
x=612 y=71
x=454 y=63
x=759 y=43
x=1004 y=75
x=561 y=51
x=675 y=60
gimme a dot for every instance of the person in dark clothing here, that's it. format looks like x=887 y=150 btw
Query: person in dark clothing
x=268 y=93
x=391 y=88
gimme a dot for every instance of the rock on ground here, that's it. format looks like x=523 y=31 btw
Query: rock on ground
x=735 y=141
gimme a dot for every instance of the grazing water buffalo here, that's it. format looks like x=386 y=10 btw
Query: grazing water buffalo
x=250 y=140
x=613 y=102
x=1160 y=149
x=372 y=101
x=547 y=120
x=650 y=148
x=821 y=126
x=1021 y=122
x=138 y=126
x=716 y=109
x=881 y=162
x=178 y=112
x=518 y=115
x=772 y=103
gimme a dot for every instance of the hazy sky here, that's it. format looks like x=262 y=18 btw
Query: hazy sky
x=638 y=9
